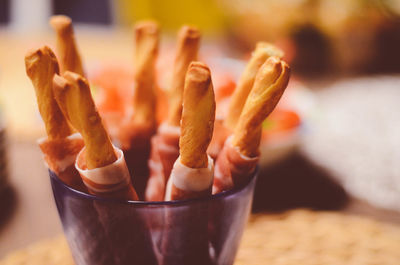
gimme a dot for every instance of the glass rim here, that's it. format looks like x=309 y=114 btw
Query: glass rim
x=213 y=197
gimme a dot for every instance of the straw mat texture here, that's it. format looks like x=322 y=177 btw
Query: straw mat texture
x=295 y=237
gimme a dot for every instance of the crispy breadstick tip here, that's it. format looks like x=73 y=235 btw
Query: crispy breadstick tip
x=263 y=51
x=188 y=33
x=269 y=49
x=146 y=41
x=147 y=26
x=271 y=81
x=197 y=116
x=73 y=95
x=61 y=24
x=67 y=51
x=41 y=65
x=187 y=50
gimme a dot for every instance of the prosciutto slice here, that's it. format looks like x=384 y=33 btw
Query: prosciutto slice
x=232 y=169
x=123 y=230
x=134 y=139
x=186 y=183
x=60 y=155
x=111 y=181
x=164 y=152
x=219 y=137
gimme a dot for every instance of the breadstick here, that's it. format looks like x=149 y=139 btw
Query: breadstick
x=41 y=65
x=67 y=50
x=146 y=51
x=73 y=95
x=270 y=83
x=61 y=145
x=239 y=156
x=198 y=116
x=192 y=174
x=262 y=52
x=187 y=50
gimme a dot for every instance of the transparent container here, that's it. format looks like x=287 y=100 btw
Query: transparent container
x=189 y=232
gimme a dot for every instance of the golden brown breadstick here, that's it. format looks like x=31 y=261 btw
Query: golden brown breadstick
x=198 y=116
x=73 y=95
x=67 y=50
x=269 y=85
x=262 y=52
x=147 y=38
x=187 y=50
x=41 y=65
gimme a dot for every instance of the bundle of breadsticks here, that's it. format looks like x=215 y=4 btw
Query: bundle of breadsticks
x=236 y=140
x=142 y=158
x=66 y=106
x=239 y=156
x=62 y=143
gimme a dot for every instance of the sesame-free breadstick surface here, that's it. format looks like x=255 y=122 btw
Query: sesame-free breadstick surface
x=66 y=48
x=73 y=95
x=262 y=52
x=187 y=51
x=198 y=116
x=270 y=83
x=147 y=39
x=41 y=65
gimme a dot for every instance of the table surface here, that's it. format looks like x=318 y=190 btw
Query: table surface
x=28 y=211
x=293 y=237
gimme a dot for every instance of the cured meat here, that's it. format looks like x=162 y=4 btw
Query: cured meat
x=60 y=156
x=232 y=168
x=111 y=181
x=164 y=153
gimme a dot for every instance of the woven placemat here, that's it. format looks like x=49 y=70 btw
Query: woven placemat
x=295 y=237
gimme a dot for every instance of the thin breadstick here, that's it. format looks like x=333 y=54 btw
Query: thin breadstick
x=262 y=52
x=147 y=39
x=187 y=50
x=73 y=95
x=270 y=83
x=198 y=116
x=67 y=50
x=41 y=65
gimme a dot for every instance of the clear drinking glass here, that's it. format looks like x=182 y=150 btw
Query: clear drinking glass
x=112 y=232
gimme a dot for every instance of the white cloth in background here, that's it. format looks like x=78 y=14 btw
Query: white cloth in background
x=355 y=134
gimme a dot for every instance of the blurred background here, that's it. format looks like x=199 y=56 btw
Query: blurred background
x=334 y=143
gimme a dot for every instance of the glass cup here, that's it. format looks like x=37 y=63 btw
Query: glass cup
x=189 y=232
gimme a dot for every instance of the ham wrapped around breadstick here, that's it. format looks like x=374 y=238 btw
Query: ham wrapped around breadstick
x=223 y=129
x=185 y=241
x=165 y=144
x=101 y=165
x=240 y=153
x=135 y=134
x=192 y=173
x=66 y=48
x=62 y=144
x=105 y=173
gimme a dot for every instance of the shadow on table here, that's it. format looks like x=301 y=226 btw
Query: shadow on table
x=297 y=182
x=8 y=201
